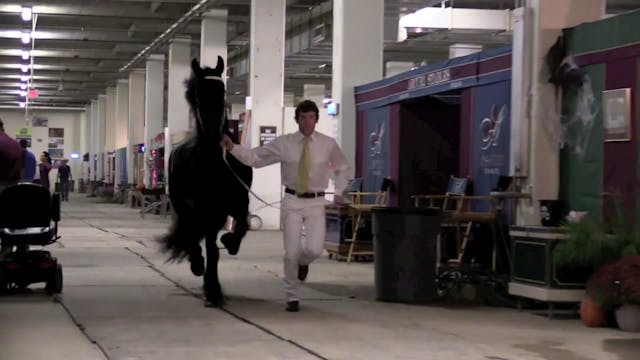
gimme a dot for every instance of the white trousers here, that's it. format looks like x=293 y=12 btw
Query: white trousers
x=304 y=232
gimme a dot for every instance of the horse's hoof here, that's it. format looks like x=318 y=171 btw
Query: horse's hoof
x=212 y=304
x=231 y=242
x=197 y=265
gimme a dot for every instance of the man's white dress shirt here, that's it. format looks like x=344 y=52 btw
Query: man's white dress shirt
x=326 y=157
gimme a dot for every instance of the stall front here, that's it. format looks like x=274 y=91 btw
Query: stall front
x=447 y=119
x=599 y=162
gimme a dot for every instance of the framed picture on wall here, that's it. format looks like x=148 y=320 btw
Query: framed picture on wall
x=617 y=114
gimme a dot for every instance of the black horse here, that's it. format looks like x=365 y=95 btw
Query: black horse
x=202 y=188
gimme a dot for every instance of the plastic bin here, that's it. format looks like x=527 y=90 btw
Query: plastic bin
x=404 y=242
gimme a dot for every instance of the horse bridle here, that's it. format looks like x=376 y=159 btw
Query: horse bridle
x=224 y=111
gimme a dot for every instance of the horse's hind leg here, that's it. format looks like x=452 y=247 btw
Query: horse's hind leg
x=232 y=240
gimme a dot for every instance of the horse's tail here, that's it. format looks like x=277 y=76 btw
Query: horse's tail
x=179 y=241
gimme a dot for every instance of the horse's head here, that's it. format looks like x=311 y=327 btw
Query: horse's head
x=205 y=94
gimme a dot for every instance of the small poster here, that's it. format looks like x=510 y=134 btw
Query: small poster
x=56 y=138
x=267 y=134
x=56 y=132
x=24 y=134
x=56 y=153
x=617 y=114
x=40 y=121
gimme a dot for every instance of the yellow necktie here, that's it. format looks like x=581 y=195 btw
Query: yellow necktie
x=302 y=182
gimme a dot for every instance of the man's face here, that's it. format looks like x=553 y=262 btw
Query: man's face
x=307 y=122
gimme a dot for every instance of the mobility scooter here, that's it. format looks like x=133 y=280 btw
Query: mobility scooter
x=29 y=217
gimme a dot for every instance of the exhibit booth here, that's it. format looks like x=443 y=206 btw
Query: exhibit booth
x=423 y=126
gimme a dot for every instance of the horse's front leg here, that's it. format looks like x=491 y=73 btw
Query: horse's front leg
x=212 y=289
x=232 y=240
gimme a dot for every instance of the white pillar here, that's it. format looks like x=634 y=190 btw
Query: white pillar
x=357 y=60
x=122 y=122
x=213 y=39
x=549 y=17
x=102 y=136
x=86 y=144
x=396 y=67
x=110 y=135
x=136 y=120
x=179 y=71
x=153 y=105
x=94 y=140
x=122 y=113
x=457 y=50
x=266 y=88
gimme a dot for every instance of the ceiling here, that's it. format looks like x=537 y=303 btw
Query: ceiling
x=81 y=46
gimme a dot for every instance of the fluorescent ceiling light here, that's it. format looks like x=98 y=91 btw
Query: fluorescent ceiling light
x=25 y=55
x=22 y=104
x=24 y=78
x=23 y=86
x=26 y=37
x=23 y=93
x=26 y=13
x=24 y=68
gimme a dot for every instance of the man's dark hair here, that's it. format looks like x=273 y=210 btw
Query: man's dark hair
x=307 y=106
x=23 y=143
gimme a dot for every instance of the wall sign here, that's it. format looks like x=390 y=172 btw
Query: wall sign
x=267 y=134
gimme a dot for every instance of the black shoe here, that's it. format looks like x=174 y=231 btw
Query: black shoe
x=303 y=271
x=293 y=306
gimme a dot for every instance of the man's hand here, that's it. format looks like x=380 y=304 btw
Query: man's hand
x=226 y=143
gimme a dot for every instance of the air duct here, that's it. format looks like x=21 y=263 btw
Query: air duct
x=197 y=10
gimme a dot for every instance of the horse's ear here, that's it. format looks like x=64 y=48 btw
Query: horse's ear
x=195 y=67
x=219 y=67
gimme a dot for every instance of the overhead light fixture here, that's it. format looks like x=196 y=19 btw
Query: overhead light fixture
x=26 y=13
x=25 y=55
x=26 y=37
x=24 y=68
x=23 y=86
x=23 y=93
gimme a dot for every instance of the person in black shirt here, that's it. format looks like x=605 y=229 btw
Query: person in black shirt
x=64 y=177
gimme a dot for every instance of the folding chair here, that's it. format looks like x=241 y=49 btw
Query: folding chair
x=359 y=209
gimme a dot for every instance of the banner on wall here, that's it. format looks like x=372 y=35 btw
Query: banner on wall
x=376 y=148
x=490 y=136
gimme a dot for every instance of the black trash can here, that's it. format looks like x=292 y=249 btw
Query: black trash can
x=404 y=242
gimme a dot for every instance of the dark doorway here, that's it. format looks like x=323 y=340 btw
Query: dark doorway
x=429 y=145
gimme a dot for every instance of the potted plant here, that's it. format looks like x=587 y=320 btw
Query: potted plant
x=615 y=287
x=583 y=258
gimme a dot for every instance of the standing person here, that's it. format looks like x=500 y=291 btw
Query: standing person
x=64 y=177
x=29 y=170
x=11 y=158
x=43 y=168
x=307 y=158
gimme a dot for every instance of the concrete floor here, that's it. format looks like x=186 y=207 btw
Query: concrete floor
x=122 y=301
